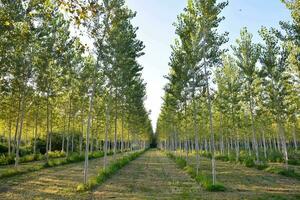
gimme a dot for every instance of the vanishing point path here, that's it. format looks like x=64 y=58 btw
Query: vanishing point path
x=151 y=176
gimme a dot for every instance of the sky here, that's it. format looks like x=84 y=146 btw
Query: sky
x=155 y=20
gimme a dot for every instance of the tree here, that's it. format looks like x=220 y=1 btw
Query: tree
x=275 y=79
x=247 y=55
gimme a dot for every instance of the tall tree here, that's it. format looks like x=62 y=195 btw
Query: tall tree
x=247 y=55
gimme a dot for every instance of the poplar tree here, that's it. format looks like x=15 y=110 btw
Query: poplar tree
x=247 y=55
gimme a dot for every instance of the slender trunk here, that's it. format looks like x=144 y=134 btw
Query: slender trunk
x=116 y=124
x=196 y=136
x=228 y=147
x=20 y=130
x=122 y=131
x=106 y=134
x=186 y=150
x=294 y=137
x=64 y=131
x=221 y=133
x=283 y=142
x=17 y=128
x=278 y=142
x=86 y=155
x=35 y=132
x=237 y=148
x=72 y=139
x=128 y=140
x=264 y=144
x=9 y=137
x=69 y=126
x=50 y=134
x=213 y=163
x=81 y=135
x=47 y=134
x=253 y=127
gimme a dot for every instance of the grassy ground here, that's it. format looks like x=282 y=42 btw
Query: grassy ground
x=296 y=168
x=52 y=183
x=25 y=166
x=151 y=176
x=250 y=183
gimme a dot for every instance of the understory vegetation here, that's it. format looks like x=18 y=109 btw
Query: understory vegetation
x=201 y=178
x=55 y=161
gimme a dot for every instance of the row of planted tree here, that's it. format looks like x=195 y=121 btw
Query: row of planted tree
x=245 y=99
x=69 y=70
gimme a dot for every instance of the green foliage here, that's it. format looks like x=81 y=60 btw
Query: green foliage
x=73 y=158
x=56 y=154
x=294 y=158
x=3 y=149
x=275 y=156
x=6 y=160
x=249 y=162
x=30 y=158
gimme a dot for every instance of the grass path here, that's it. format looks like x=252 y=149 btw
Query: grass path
x=154 y=176
x=51 y=183
x=151 y=176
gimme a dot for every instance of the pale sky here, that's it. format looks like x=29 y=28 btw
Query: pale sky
x=155 y=20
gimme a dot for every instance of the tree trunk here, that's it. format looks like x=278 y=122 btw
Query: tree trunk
x=35 y=132
x=213 y=163
x=17 y=128
x=72 y=139
x=107 y=124
x=50 y=134
x=264 y=144
x=86 y=155
x=253 y=126
x=116 y=124
x=9 y=137
x=122 y=131
x=20 y=130
x=283 y=142
x=69 y=127
x=294 y=137
x=47 y=122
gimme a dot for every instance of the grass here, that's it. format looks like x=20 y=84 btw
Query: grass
x=284 y=172
x=273 y=156
x=14 y=171
x=8 y=160
x=73 y=158
x=202 y=178
x=105 y=174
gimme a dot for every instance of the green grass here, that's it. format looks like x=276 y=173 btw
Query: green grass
x=73 y=158
x=14 y=171
x=105 y=174
x=202 y=178
x=8 y=160
x=284 y=172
